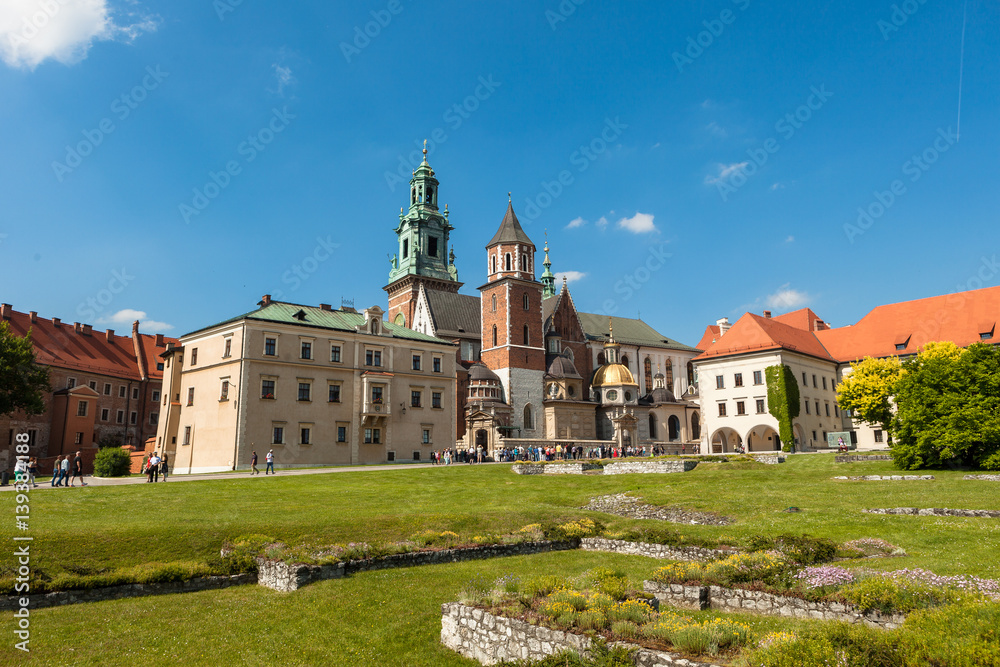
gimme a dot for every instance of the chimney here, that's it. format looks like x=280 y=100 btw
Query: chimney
x=820 y=325
x=87 y=330
x=56 y=322
x=76 y=327
x=170 y=346
x=110 y=336
x=5 y=310
x=33 y=316
x=723 y=325
x=159 y=340
x=135 y=328
x=767 y=314
x=265 y=300
x=325 y=306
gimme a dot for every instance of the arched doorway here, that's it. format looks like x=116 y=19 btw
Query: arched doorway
x=695 y=426
x=725 y=441
x=673 y=428
x=481 y=437
x=762 y=438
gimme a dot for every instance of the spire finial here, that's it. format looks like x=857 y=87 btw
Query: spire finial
x=508 y=197
x=425 y=147
x=611 y=329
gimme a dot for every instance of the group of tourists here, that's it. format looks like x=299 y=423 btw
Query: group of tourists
x=449 y=456
x=269 y=457
x=572 y=452
x=155 y=465
x=62 y=469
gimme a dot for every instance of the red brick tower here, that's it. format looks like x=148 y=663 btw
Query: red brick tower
x=513 y=346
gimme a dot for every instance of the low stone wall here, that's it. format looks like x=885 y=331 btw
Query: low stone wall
x=987 y=478
x=646 y=467
x=886 y=478
x=758 y=602
x=286 y=577
x=653 y=550
x=489 y=639
x=528 y=469
x=569 y=468
x=58 y=598
x=773 y=458
x=859 y=458
x=936 y=511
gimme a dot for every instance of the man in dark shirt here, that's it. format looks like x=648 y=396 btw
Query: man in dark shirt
x=77 y=470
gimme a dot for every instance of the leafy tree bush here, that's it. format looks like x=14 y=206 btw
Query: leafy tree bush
x=948 y=408
x=867 y=391
x=22 y=380
x=783 y=401
x=112 y=462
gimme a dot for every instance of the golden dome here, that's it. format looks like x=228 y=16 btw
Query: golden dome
x=613 y=374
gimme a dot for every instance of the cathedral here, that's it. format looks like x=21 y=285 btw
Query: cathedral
x=532 y=368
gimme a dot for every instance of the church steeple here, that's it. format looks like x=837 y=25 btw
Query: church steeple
x=548 y=280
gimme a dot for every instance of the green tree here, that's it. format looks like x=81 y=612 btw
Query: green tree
x=22 y=380
x=867 y=392
x=948 y=408
x=783 y=401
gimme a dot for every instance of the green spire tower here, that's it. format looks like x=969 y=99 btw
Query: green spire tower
x=548 y=280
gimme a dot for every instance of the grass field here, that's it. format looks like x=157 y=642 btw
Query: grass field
x=393 y=617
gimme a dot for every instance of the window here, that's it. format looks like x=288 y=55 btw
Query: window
x=827 y=406
x=426 y=437
x=722 y=409
x=494 y=300
x=808 y=408
x=432 y=243
x=647 y=372
x=836 y=410
x=805 y=381
x=436 y=365
x=121 y=391
x=524 y=261
x=373 y=436
x=270 y=346
x=377 y=395
x=335 y=354
x=416 y=362
x=304 y=391
x=652 y=427
x=70 y=383
x=278 y=435
x=334 y=396
x=720 y=382
x=304 y=434
x=135 y=393
x=525 y=334
x=493 y=261
x=156 y=396
x=159 y=365
x=758 y=377
x=814 y=382
x=529 y=418
x=738 y=379
x=133 y=418
x=817 y=408
x=824 y=383
x=760 y=406
x=194 y=356
x=506 y=262
x=154 y=418
x=984 y=336
x=93 y=385
x=525 y=300
x=406 y=248
x=900 y=346
x=373 y=358
x=341 y=434
x=878 y=435
x=494 y=335
x=669 y=375
x=814 y=436
x=187 y=435
x=81 y=409
x=190 y=395
x=414 y=399
x=104 y=414
x=436 y=399
x=120 y=417
x=78 y=439
x=740 y=408
x=224 y=391
x=107 y=388
x=228 y=351
x=267 y=389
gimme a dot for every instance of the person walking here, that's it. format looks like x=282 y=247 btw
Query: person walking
x=154 y=468
x=77 y=469
x=270 y=462
x=164 y=467
x=253 y=465
x=32 y=470
x=63 y=471
x=55 y=471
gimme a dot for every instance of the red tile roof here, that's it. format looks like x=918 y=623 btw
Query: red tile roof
x=66 y=346
x=709 y=337
x=803 y=318
x=755 y=333
x=959 y=317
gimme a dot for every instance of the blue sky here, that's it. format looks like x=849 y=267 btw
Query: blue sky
x=175 y=161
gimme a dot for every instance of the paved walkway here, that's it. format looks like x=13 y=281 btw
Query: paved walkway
x=43 y=483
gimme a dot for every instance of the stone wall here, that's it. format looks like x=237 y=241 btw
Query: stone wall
x=886 y=478
x=936 y=511
x=987 y=478
x=858 y=458
x=771 y=459
x=642 y=467
x=58 y=598
x=489 y=639
x=653 y=550
x=287 y=577
x=569 y=468
x=758 y=602
x=528 y=469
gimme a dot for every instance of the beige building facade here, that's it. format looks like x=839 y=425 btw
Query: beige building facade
x=315 y=385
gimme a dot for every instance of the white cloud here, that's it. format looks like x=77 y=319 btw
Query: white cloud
x=640 y=223
x=576 y=222
x=602 y=222
x=725 y=171
x=717 y=130
x=64 y=30
x=571 y=276
x=284 y=78
x=790 y=239
x=126 y=316
x=656 y=145
x=786 y=298
x=777 y=186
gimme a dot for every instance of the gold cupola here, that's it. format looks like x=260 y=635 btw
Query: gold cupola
x=613 y=372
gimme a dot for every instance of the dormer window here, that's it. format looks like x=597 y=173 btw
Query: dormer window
x=902 y=341
x=986 y=330
x=300 y=316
